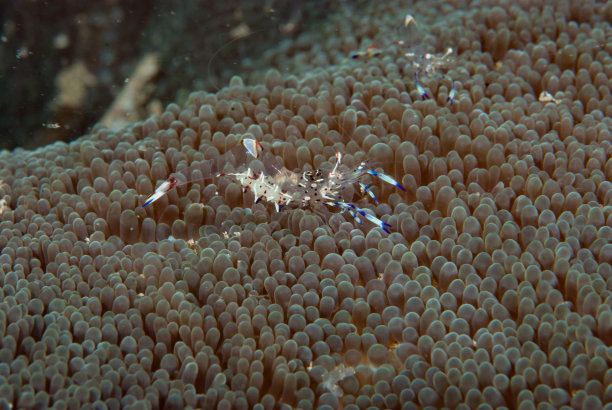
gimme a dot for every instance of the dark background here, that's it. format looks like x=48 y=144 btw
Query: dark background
x=63 y=63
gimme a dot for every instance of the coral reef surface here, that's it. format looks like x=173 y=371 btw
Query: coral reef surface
x=492 y=289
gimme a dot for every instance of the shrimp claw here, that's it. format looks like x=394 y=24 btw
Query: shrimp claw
x=161 y=190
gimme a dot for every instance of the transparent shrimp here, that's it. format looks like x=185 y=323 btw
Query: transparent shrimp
x=271 y=182
x=312 y=189
x=430 y=65
x=427 y=66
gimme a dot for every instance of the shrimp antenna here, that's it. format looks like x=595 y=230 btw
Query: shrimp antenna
x=223 y=47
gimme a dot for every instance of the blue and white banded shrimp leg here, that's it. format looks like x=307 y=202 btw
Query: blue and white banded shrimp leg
x=353 y=209
x=355 y=212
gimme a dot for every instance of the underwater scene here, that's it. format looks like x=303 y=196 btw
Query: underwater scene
x=329 y=204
